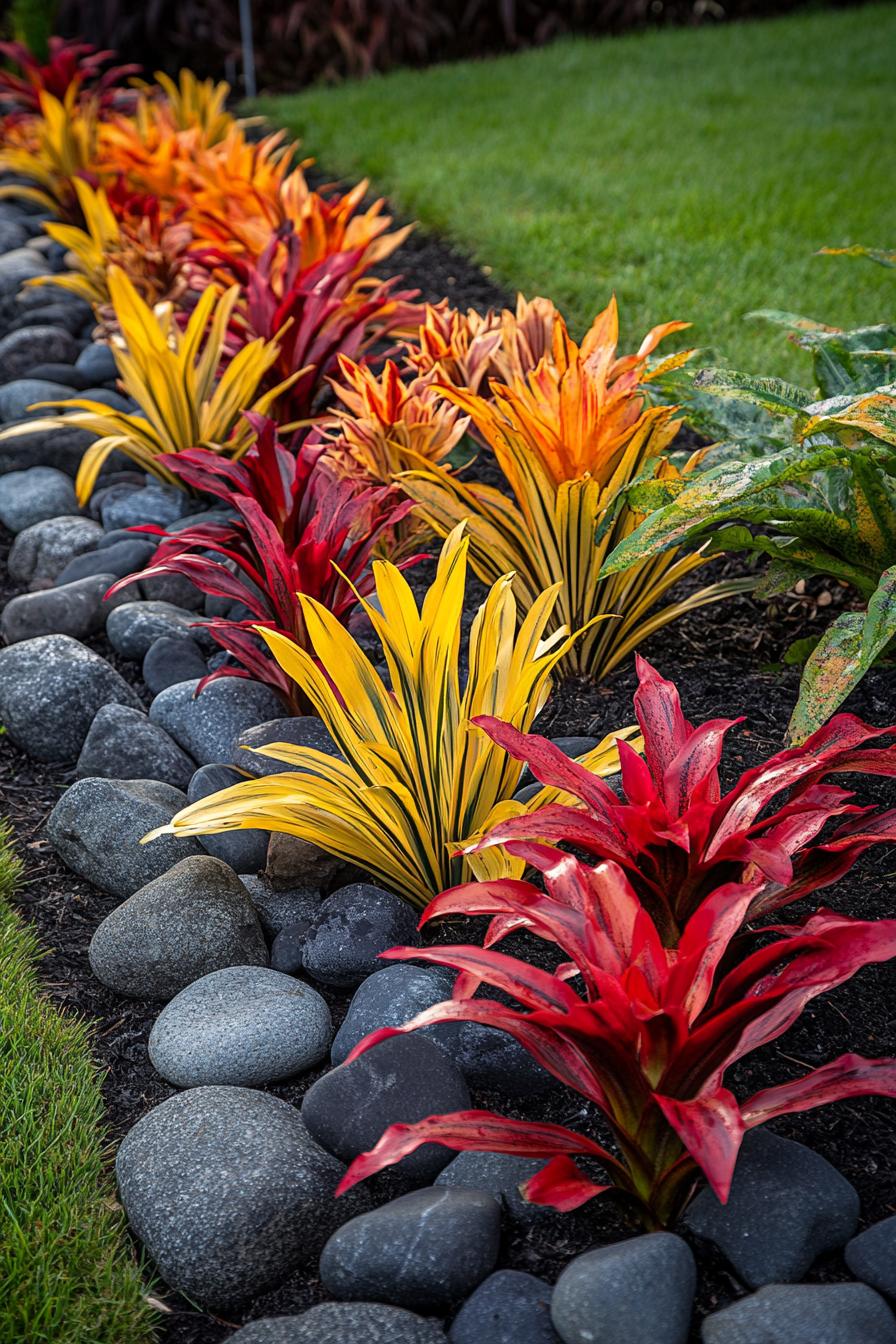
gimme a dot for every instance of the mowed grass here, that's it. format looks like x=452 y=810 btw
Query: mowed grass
x=694 y=172
x=67 y=1273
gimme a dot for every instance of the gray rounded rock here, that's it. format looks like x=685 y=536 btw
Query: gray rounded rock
x=97 y=825
x=194 y=919
x=17 y=398
x=171 y=660
x=509 y=1307
x=871 y=1256
x=19 y=265
x=343 y=1323
x=50 y=690
x=424 y=1250
x=404 y=1078
x=244 y=1026
x=176 y=589
x=245 y=851
x=97 y=363
x=304 y=730
x=227 y=1191
x=28 y=497
x=498 y=1174
x=154 y=503
x=62 y=448
x=123 y=744
x=207 y=725
x=279 y=907
x=787 y=1207
x=42 y=550
x=77 y=609
x=351 y=929
x=33 y=345
x=601 y=1295
x=137 y=625
x=125 y=557
x=805 y=1313
x=390 y=998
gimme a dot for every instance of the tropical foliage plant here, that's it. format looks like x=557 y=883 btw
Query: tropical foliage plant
x=67 y=65
x=172 y=375
x=416 y=776
x=315 y=313
x=665 y=985
x=644 y=1032
x=299 y=528
x=569 y=437
x=51 y=151
x=816 y=495
x=127 y=231
x=674 y=833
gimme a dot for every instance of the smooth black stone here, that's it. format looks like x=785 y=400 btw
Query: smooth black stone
x=354 y=926
x=244 y=851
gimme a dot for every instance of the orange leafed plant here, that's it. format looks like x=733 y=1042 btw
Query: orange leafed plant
x=569 y=436
x=390 y=423
x=466 y=349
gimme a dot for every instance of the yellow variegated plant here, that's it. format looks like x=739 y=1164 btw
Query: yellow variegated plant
x=151 y=251
x=417 y=776
x=569 y=436
x=51 y=150
x=173 y=377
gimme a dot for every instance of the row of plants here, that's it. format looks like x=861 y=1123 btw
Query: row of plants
x=337 y=418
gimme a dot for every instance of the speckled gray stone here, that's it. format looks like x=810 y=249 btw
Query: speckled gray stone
x=50 y=690
x=97 y=363
x=871 y=1256
x=42 y=550
x=344 y=1323
x=787 y=1207
x=123 y=744
x=404 y=1078
x=19 y=265
x=277 y=907
x=173 y=659
x=804 y=1313
x=244 y=1026
x=351 y=929
x=509 y=1307
x=97 y=825
x=639 y=1291
x=208 y=725
x=498 y=1174
x=154 y=503
x=28 y=497
x=137 y=625
x=77 y=609
x=21 y=349
x=390 y=998
x=245 y=851
x=305 y=730
x=194 y=919
x=425 y=1250
x=227 y=1191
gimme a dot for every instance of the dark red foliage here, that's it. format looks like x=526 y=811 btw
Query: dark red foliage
x=315 y=313
x=667 y=984
x=70 y=64
x=678 y=838
x=645 y=1032
x=299 y=529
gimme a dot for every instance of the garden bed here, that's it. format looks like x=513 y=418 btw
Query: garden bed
x=77 y=823
x=723 y=657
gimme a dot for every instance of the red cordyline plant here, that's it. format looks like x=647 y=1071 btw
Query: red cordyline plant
x=299 y=529
x=69 y=64
x=671 y=987
x=315 y=313
x=673 y=832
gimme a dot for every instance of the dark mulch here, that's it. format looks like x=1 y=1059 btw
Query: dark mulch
x=719 y=656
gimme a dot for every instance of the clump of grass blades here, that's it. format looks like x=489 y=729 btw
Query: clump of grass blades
x=66 y=1273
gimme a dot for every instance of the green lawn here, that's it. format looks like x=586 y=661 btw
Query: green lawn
x=696 y=172
x=67 y=1273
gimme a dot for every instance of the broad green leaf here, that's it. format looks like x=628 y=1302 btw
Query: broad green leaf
x=772 y=394
x=843 y=655
x=880 y=255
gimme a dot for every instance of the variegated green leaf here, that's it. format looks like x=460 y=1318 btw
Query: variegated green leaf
x=772 y=394
x=878 y=254
x=843 y=655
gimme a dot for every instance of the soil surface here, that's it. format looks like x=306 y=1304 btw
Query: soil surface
x=722 y=658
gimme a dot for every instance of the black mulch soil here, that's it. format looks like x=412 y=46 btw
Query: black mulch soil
x=721 y=657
